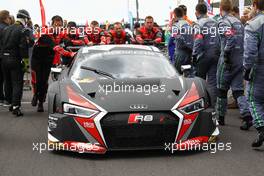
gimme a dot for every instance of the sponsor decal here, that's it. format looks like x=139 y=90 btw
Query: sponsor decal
x=138 y=118
x=88 y=125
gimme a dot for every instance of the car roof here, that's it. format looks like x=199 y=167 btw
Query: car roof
x=109 y=48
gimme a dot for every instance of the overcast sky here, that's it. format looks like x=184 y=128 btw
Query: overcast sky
x=101 y=10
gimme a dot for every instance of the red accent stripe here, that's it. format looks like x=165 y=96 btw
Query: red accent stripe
x=92 y=130
x=33 y=81
x=185 y=127
x=76 y=99
x=191 y=96
x=83 y=147
x=191 y=143
x=132 y=119
x=33 y=77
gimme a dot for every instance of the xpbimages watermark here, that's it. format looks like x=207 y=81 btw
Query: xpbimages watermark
x=82 y=30
x=195 y=146
x=213 y=31
x=41 y=147
x=122 y=87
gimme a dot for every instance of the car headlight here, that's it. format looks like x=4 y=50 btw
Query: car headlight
x=193 y=107
x=78 y=111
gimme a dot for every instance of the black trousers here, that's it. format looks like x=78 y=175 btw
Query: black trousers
x=40 y=72
x=204 y=65
x=2 y=97
x=13 y=80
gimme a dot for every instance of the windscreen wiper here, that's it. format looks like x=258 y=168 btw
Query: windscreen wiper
x=99 y=72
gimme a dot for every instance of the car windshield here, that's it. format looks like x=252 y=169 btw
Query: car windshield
x=138 y=65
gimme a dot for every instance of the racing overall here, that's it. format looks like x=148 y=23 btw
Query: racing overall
x=72 y=40
x=230 y=66
x=97 y=36
x=143 y=34
x=254 y=66
x=41 y=63
x=171 y=49
x=123 y=38
x=206 y=51
x=182 y=32
x=46 y=52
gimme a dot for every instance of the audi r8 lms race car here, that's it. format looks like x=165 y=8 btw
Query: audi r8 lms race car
x=127 y=97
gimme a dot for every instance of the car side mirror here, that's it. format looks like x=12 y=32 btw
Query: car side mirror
x=55 y=72
x=186 y=70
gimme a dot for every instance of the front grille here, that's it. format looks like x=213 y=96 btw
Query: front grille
x=148 y=134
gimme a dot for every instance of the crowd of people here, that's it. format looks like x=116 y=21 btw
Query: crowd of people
x=49 y=48
x=226 y=50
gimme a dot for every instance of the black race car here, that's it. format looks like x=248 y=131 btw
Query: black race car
x=127 y=97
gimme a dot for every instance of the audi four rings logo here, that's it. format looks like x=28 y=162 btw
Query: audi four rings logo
x=138 y=106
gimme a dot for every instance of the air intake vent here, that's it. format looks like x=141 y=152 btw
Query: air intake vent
x=92 y=95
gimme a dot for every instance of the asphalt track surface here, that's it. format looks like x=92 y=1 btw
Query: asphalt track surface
x=19 y=158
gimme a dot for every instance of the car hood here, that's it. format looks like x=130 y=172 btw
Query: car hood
x=123 y=95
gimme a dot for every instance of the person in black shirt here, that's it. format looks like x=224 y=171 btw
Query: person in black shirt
x=15 y=43
x=4 y=22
